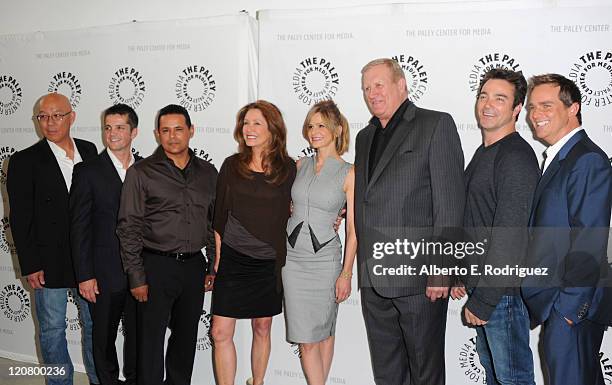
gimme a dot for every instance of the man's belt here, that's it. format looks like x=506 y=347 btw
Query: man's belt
x=178 y=256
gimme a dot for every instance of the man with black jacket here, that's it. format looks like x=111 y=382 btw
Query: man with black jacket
x=38 y=183
x=94 y=206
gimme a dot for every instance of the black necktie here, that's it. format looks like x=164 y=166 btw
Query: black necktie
x=543 y=163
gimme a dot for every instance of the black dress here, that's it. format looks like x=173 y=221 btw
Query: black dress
x=251 y=217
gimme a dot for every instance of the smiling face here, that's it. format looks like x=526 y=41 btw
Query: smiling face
x=494 y=106
x=118 y=133
x=382 y=93
x=56 y=131
x=174 y=134
x=255 y=130
x=549 y=117
x=319 y=134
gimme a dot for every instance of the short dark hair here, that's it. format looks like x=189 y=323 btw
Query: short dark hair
x=171 y=109
x=515 y=78
x=568 y=90
x=123 y=109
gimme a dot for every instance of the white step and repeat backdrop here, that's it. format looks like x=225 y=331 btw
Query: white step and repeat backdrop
x=215 y=65
x=207 y=65
x=306 y=56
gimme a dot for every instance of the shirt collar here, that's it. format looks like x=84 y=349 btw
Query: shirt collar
x=116 y=162
x=161 y=156
x=554 y=149
x=60 y=153
x=397 y=115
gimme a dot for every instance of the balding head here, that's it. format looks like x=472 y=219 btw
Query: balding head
x=55 y=116
x=55 y=98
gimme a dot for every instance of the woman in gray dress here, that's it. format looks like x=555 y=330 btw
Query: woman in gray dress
x=316 y=278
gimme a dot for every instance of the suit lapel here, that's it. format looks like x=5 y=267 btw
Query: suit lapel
x=110 y=170
x=552 y=170
x=49 y=161
x=83 y=150
x=368 y=143
x=401 y=132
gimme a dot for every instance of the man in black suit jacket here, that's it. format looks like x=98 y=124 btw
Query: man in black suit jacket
x=94 y=205
x=38 y=183
x=408 y=186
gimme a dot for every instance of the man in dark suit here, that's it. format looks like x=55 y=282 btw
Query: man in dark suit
x=94 y=205
x=39 y=179
x=408 y=186
x=569 y=226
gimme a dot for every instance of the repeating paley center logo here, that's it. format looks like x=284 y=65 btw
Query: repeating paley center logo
x=592 y=73
x=121 y=326
x=127 y=86
x=488 y=62
x=606 y=367
x=14 y=303
x=470 y=363
x=416 y=76
x=136 y=152
x=315 y=79
x=10 y=95
x=195 y=88
x=306 y=152
x=295 y=348
x=202 y=154
x=67 y=83
x=204 y=341
x=6 y=242
x=73 y=321
x=5 y=154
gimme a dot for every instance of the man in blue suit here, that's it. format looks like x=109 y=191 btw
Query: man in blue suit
x=569 y=226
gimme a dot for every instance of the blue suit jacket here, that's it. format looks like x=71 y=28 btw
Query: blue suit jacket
x=569 y=227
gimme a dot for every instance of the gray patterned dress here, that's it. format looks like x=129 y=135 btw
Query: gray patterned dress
x=314 y=251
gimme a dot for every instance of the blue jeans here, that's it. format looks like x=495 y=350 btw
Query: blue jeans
x=503 y=344
x=51 y=312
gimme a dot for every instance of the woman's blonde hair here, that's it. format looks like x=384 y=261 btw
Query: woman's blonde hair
x=332 y=118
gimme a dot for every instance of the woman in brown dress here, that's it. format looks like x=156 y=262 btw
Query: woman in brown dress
x=251 y=211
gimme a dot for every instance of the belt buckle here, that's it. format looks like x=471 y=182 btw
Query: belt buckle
x=180 y=257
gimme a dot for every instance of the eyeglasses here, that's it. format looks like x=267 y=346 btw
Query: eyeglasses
x=57 y=117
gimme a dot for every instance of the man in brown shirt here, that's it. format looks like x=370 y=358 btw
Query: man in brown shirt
x=165 y=219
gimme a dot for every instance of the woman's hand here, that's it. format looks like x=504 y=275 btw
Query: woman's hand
x=458 y=292
x=343 y=288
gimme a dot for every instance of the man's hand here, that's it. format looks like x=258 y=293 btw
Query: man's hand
x=209 y=282
x=436 y=292
x=458 y=292
x=471 y=319
x=141 y=293
x=339 y=218
x=89 y=289
x=36 y=280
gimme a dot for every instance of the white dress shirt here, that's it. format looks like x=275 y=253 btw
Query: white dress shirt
x=118 y=165
x=553 y=150
x=66 y=164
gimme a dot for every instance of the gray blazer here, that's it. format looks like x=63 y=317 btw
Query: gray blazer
x=416 y=192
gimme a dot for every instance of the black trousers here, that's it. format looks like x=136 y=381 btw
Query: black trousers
x=106 y=314
x=175 y=300
x=406 y=338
